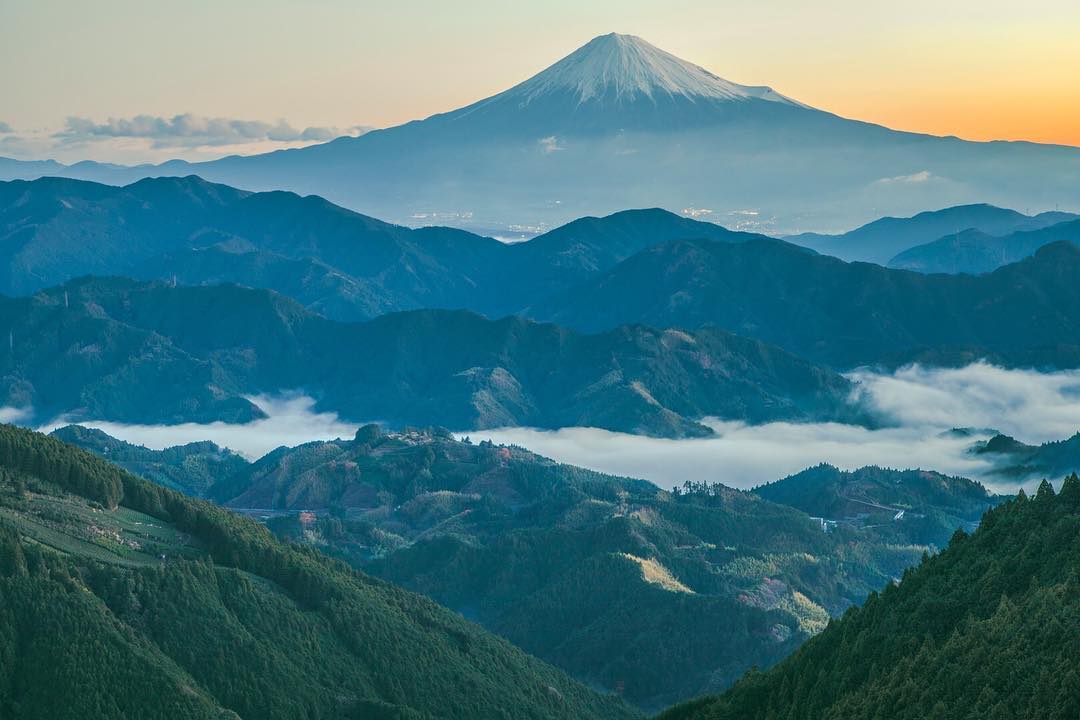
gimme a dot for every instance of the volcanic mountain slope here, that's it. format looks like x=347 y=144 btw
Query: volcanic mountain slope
x=337 y=262
x=882 y=240
x=975 y=251
x=841 y=314
x=114 y=349
x=990 y=628
x=620 y=123
x=613 y=83
x=119 y=598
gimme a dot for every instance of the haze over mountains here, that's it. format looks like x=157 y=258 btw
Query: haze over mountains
x=1014 y=459
x=621 y=123
x=122 y=350
x=885 y=240
x=975 y=251
x=594 y=274
x=345 y=265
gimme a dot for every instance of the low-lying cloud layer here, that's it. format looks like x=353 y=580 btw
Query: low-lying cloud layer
x=1032 y=406
x=291 y=420
x=745 y=456
x=921 y=405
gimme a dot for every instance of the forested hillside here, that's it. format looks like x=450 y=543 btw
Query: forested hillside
x=659 y=596
x=190 y=468
x=121 y=350
x=119 y=598
x=340 y=263
x=912 y=506
x=840 y=314
x=990 y=628
x=1018 y=462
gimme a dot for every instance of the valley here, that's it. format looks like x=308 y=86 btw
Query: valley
x=617 y=582
x=522 y=545
x=439 y=363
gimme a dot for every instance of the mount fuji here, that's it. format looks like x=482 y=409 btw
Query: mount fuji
x=614 y=83
x=620 y=123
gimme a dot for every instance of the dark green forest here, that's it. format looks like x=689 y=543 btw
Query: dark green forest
x=987 y=629
x=125 y=599
x=659 y=596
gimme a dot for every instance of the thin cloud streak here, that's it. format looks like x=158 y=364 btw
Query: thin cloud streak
x=188 y=129
x=152 y=138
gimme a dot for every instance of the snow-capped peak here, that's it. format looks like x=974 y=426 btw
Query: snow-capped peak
x=625 y=67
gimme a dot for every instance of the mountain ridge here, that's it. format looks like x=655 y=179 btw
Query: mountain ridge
x=882 y=240
x=153 y=353
x=841 y=314
x=350 y=265
x=976 y=252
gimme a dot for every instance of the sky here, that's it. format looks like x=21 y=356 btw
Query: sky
x=128 y=81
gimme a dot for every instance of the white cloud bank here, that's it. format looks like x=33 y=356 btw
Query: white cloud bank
x=291 y=420
x=1032 y=406
x=919 y=177
x=746 y=456
x=920 y=404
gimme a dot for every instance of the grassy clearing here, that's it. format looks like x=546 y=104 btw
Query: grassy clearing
x=73 y=525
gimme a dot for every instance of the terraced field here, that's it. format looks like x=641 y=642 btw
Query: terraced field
x=74 y=525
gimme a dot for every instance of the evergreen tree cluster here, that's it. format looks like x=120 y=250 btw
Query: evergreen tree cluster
x=988 y=628
x=256 y=629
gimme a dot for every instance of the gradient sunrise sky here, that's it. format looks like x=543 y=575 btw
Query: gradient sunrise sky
x=979 y=69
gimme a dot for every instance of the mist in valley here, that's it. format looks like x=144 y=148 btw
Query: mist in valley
x=930 y=419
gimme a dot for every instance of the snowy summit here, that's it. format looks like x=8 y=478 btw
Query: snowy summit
x=625 y=68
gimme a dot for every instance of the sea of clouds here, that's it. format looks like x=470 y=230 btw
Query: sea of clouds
x=290 y=420
x=918 y=407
